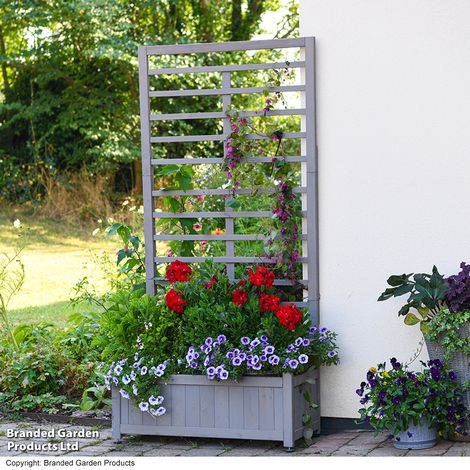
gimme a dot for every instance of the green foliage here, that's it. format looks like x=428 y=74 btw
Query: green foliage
x=11 y=280
x=94 y=398
x=426 y=293
x=70 y=84
x=445 y=329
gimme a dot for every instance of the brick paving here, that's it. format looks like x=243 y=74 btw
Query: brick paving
x=352 y=443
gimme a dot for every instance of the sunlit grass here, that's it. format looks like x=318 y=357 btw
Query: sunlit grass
x=56 y=257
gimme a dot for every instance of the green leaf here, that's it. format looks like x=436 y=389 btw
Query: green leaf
x=425 y=328
x=411 y=319
x=306 y=418
x=308 y=434
x=167 y=170
x=233 y=203
x=398 y=280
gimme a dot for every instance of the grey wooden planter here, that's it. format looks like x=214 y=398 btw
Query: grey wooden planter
x=266 y=408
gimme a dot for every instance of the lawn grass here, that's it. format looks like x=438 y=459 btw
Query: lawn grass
x=56 y=257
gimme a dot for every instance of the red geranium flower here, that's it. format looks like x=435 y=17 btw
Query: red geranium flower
x=289 y=316
x=268 y=303
x=174 y=301
x=262 y=277
x=241 y=283
x=178 y=272
x=211 y=282
x=239 y=297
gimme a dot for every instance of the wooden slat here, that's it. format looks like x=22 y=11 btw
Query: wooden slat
x=215 y=215
x=186 y=379
x=178 y=408
x=193 y=418
x=219 y=137
x=227 y=68
x=221 y=114
x=203 y=48
x=236 y=407
x=266 y=409
x=222 y=415
x=219 y=259
x=220 y=192
x=225 y=91
x=166 y=391
x=207 y=398
x=219 y=161
x=227 y=236
x=250 y=408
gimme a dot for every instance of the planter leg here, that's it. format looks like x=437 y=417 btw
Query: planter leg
x=117 y=436
x=289 y=449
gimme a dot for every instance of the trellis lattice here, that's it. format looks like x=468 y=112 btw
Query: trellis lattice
x=307 y=158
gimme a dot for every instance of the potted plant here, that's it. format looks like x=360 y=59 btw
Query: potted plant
x=412 y=406
x=441 y=306
x=221 y=359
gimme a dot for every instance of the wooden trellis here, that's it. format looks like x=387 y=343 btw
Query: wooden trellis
x=307 y=157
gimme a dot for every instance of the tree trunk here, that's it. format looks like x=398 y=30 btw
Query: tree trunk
x=137 y=173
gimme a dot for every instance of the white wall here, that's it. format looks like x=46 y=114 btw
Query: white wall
x=393 y=91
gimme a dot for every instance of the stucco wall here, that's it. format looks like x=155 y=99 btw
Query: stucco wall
x=393 y=96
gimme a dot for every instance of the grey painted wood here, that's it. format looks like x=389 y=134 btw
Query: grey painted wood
x=221 y=192
x=219 y=161
x=218 y=137
x=222 y=409
x=124 y=411
x=147 y=171
x=193 y=409
x=251 y=408
x=116 y=418
x=236 y=406
x=226 y=236
x=222 y=115
x=213 y=215
x=225 y=91
x=226 y=68
x=266 y=408
x=219 y=259
x=199 y=48
x=207 y=406
x=288 y=410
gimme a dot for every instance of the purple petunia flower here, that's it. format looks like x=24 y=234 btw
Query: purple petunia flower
x=210 y=370
x=208 y=341
x=274 y=360
x=303 y=359
x=161 y=411
x=193 y=365
x=207 y=360
x=255 y=343
x=223 y=375
x=306 y=342
x=242 y=356
x=126 y=379
x=290 y=348
x=135 y=390
x=269 y=350
x=221 y=339
x=293 y=363
x=332 y=353
x=323 y=330
x=117 y=370
x=263 y=358
x=124 y=394
x=143 y=371
x=236 y=361
x=264 y=338
x=144 y=406
x=115 y=380
x=133 y=375
x=256 y=366
x=298 y=341
x=312 y=330
x=245 y=340
x=229 y=355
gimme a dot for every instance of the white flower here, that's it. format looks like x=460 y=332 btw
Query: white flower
x=110 y=220
x=95 y=232
x=17 y=223
x=125 y=203
x=132 y=209
x=100 y=221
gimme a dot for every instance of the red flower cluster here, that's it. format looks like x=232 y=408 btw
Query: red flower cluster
x=211 y=282
x=174 y=301
x=289 y=316
x=239 y=297
x=268 y=303
x=178 y=272
x=262 y=277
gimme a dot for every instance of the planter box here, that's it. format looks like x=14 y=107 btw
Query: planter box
x=266 y=408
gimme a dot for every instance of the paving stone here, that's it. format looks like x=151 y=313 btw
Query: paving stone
x=387 y=452
x=352 y=451
x=458 y=452
x=368 y=438
x=203 y=452
x=160 y=452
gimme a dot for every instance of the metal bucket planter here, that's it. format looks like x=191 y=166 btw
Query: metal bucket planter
x=256 y=407
x=416 y=437
x=460 y=364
